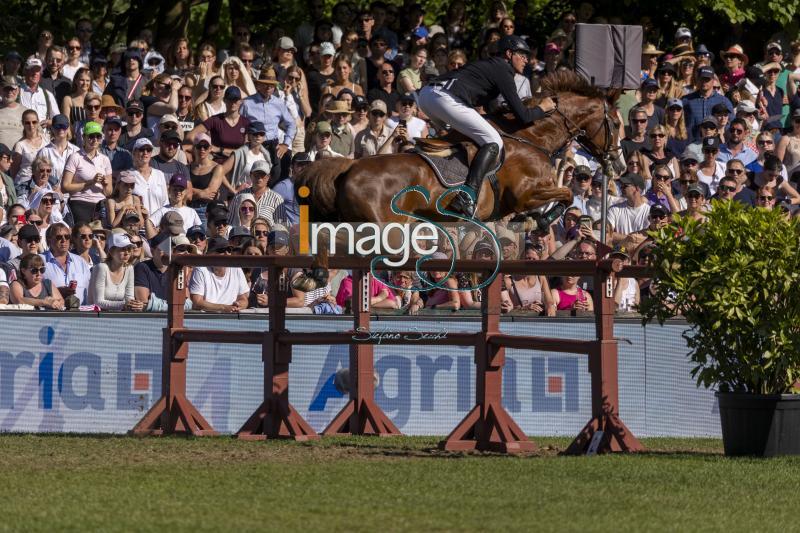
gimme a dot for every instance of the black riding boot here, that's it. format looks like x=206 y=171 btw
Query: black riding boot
x=483 y=162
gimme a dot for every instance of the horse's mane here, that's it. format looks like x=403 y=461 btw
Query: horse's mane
x=568 y=81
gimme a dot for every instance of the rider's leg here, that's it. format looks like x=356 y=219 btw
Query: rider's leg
x=441 y=105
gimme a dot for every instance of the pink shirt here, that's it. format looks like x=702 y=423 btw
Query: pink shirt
x=84 y=170
x=346 y=289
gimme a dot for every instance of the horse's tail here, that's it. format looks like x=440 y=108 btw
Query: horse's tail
x=320 y=177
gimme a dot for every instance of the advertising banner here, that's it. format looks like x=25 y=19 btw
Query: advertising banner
x=92 y=374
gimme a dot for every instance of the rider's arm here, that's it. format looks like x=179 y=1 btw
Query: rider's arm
x=509 y=91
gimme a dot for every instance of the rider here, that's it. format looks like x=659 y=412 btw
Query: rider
x=453 y=97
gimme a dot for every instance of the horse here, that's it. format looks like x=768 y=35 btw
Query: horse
x=362 y=190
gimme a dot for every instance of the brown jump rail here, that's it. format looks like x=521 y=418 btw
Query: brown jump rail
x=488 y=426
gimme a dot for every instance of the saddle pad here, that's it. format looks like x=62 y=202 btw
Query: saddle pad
x=451 y=171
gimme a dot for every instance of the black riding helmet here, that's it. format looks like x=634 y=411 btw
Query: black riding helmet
x=514 y=43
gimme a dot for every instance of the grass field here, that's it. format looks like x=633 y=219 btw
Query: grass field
x=82 y=483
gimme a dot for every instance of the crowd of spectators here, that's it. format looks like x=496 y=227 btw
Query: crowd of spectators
x=112 y=161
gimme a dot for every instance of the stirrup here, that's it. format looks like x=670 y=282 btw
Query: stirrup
x=551 y=215
x=463 y=204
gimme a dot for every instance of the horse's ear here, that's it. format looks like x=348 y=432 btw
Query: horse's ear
x=612 y=95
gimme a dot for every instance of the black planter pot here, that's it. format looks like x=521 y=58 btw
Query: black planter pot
x=760 y=424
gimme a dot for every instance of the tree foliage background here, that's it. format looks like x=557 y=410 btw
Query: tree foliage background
x=119 y=21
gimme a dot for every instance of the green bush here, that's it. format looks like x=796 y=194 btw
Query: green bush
x=735 y=278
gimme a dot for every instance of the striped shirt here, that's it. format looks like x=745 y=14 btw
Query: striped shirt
x=265 y=206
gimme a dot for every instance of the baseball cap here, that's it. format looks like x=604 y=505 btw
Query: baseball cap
x=166 y=119
x=239 y=231
x=172 y=221
x=690 y=155
x=5 y=150
x=682 y=33
x=632 y=178
x=712 y=120
x=408 y=97
x=675 y=102
x=60 y=121
x=421 y=32
x=710 y=143
x=359 y=102
x=182 y=240
x=286 y=43
x=705 y=72
x=10 y=81
x=33 y=62
x=169 y=135
x=134 y=105
x=667 y=66
x=142 y=142
x=218 y=213
x=719 y=109
x=178 y=180
x=260 y=166
x=130 y=215
x=256 y=127
x=698 y=187
x=195 y=230
x=92 y=128
x=327 y=49
x=217 y=243
x=658 y=209
x=113 y=120
x=301 y=158
x=201 y=137
x=582 y=170
x=649 y=83
x=28 y=232
x=127 y=176
x=232 y=93
x=485 y=246
x=620 y=250
x=746 y=106
x=324 y=126
x=379 y=105
x=119 y=240
x=278 y=238
x=775 y=44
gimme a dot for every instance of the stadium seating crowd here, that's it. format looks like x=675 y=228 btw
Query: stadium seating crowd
x=111 y=161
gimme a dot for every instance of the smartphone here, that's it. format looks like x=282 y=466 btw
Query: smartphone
x=20 y=219
x=587 y=221
x=401 y=122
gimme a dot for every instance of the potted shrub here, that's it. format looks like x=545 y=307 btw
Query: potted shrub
x=735 y=278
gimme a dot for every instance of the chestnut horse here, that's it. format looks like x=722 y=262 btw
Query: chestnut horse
x=362 y=190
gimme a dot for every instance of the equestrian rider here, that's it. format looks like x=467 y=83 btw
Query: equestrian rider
x=453 y=97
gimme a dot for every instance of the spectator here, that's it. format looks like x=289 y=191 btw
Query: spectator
x=218 y=216
x=177 y=203
x=120 y=158
x=73 y=104
x=407 y=114
x=127 y=85
x=288 y=211
x=696 y=196
x=659 y=152
x=736 y=170
x=581 y=188
x=151 y=184
x=570 y=297
x=206 y=176
x=10 y=112
x=26 y=148
x=8 y=193
x=384 y=88
x=594 y=205
x=373 y=139
x=92 y=105
x=711 y=169
x=266 y=200
x=698 y=104
x=735 y=61
x=135 y=130
x=380 y=296
x=73 y=61
x=342 y=138
x=322 y=142
x=343 y=69
x=771 y=177
x=270 y=110
x=659 y=218
x=788 y=149
x=237 y=168
x=68 y=272
x=111 y=285
x=260 y=230
x=87 y=176
x=765 y=145
x=211 y=103
x=626 y=290
x=86 y=246
x=170 y=159
x=734 y=147
x=529 y=292
x=726 y=191
x=765 y=197
x=59 y=149
x=53 y=80
x=661 y=191
x=648 y=94
x=29 y=241
x=33 y=288
x=631 y=215
x=219 y=288
x=150 y=278
x=226 y=130
x=197 y=237
x=33 y=96
x=675 y=123
x=709 y=127
x=637 y=139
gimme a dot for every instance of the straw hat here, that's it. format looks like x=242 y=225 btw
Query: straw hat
x=735 y=50
x=651 y=50
x=267 y=76
x=338 y=107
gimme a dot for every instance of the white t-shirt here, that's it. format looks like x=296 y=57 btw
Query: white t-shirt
x=218 y=290
x=189 y=216
x=414 y=126
x=3 y=279
x=712 y=181
x=153 y=191
x=625 y=219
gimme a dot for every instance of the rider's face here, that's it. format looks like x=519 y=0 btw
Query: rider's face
x=519 y=60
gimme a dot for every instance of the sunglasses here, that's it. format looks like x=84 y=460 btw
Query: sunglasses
x=228 y=250
x=36 y=222
x=657 y=135
x=60 y=238
x=726 y=188
x=94 y=137
x=639 y=120
x=135 y=113
x=30 y=122
x=658 y=217
x=33 y=239
x=377 y=113
x=184 y=98
x=764 y=142
x=86 y=236
x=147 y=149
x=293 y=78
x=737 y=130
x=203 y=146
x=583 y=177
x=73 y=48
x=95 y=107
x=387 y=72
x=766 y=198
x=220 y=223
x=217 y=87
x=137 y=244
x=736 y=171
x=35 y=270
x=99 y=236
x=247 y=209
x=197 y=238
x=662 y=177
x=170 y=144
x=47 y=201
x=694 y=195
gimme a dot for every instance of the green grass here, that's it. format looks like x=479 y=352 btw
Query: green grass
x=84 y=483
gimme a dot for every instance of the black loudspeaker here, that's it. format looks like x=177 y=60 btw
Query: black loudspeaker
x=609 y=56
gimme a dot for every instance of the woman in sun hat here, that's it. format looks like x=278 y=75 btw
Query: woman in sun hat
x=650 y=55
x=736 y=61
